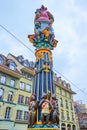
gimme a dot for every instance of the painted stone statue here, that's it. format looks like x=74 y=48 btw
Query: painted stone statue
x=33 y=104
x=44 y=33
x=45 y=109
x=55 y=111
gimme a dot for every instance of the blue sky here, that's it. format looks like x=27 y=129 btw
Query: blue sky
x=70 y=28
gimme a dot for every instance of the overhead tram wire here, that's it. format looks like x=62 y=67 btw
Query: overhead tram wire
x=33 y=53
x=69 y=80
x=16 y=37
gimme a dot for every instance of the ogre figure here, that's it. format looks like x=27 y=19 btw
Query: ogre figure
x=45 y=109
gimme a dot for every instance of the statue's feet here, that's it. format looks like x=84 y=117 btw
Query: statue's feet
x=33 y=126
x=48 y=125
x=42 y=126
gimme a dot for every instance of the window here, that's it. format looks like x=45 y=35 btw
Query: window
x=72 y=117
x=10 y=96
x=22 y=85
x=59 y=80
x=1 y=93
x=25 y=115
x=20 y=58
x=29 y=76
x=62 y=115
x=68 y=118
x=7 y=113
x=61 y=102
x=71 y=106
x=60 y=91
x=21 y=99
x=66 y=104
x=31 y=64
x=28 y=88
x=65 y=93
x=1 y=60
x=27 y=100
x=12 y=66
x=26 y=63
x=64 y=83
x=70 y=96
x=19 y=115
x=68 y=86
x=3 y=79
x=12 y=83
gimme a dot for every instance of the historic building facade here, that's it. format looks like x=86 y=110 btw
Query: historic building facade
x=15 y=89
x=16 y=83
x=66 y=105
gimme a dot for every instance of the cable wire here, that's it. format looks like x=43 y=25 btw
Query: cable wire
x=16 y=38
x=33 y=53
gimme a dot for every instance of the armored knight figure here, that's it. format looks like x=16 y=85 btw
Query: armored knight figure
x=55 y=110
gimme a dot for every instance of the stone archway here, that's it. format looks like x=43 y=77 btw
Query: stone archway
x=63 y=126
x=68 y=127
x=73 y=127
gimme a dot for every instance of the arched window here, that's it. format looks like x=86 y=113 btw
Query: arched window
x=1 y=93
x=20 y=58
x=68 y=127
x=25 y=63
x=31 y=64
x=73 y=127
x=63 y=126
x=1 y=60
x=12 y=66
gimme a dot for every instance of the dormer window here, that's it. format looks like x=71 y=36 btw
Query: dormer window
x=64 y=83
x=12 y=66
x=26 y=63
x=31 y=64
x=20 y=58
x=1 y=60
x=59 y=80
x=68 y=85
